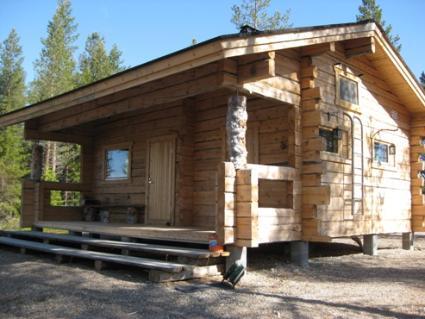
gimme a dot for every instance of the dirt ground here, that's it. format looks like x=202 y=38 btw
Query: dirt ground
x=339 y=283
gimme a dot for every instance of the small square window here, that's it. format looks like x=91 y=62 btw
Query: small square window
x=381 y=152
x=330 y=140
x=348 y=90
x=117 y=164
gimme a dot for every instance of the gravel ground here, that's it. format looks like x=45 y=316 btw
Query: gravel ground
x=339 y=283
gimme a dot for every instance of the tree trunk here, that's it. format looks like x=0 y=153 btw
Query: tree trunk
x=37 y=162
x=236 y=125
x=54 y=156
x=47 y=156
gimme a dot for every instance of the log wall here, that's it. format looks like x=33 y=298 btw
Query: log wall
x=417 y=148
x=327 y=177
x=199 y=126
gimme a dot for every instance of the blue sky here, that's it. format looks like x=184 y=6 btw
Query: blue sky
x=145 y=29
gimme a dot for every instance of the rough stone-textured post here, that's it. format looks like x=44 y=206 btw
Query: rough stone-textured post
x=370 y=245
x=299 y=253
x=37 y=162
x=237 y=254
x=408 y=241
x=236 y=125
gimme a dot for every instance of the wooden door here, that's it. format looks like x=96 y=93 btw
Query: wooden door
x=160 y=184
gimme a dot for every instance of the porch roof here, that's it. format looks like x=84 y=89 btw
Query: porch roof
x=386 y=59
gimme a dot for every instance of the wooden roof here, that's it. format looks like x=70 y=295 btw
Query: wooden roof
x=386 y=59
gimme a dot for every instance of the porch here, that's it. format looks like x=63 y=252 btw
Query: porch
x=173 y=136
x=195 y=235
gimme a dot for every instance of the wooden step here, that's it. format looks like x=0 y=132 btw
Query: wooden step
x=145 y=263
x=140 y=247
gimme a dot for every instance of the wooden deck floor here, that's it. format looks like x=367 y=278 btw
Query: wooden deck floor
x=180 y=234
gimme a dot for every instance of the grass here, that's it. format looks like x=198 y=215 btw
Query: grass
x=13 y=223
x=10 y=222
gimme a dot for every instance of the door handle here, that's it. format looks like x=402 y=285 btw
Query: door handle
x=150 y=180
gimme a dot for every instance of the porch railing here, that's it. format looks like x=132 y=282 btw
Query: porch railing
x=240 y=220
x=37 y=206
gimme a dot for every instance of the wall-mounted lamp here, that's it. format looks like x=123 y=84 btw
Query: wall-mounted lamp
x=330 y=114
x=337 y=133
x=392 y=149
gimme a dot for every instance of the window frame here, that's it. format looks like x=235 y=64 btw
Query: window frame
x=115 y=147
x=335 y=141
x=340 y=74
x=391 y=157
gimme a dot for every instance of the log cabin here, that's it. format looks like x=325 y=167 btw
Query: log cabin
x=301 y=135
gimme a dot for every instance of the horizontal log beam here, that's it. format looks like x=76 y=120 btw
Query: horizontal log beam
x=318 y=49
x=31 y=134
x=260 y=69
x=359 y=47
x=57 y=186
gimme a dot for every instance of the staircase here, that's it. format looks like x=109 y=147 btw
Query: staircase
x=163 y=262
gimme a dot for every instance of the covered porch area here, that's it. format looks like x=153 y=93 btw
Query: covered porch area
x=157 y=148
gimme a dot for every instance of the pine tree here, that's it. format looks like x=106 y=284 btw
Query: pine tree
x=13 y=151
x=96 y=63
x=255 y=13
x=55 y=68
x=422 y=79
x=370 y=10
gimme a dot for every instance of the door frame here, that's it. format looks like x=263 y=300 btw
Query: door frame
x=172 y=138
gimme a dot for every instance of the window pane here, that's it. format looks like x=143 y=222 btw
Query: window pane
x=117 y=164
x=381 y=152
x=331 y=142
x=348 y=90
x=65 y=198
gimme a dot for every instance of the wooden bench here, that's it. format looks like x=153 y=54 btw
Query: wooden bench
x=106 y=213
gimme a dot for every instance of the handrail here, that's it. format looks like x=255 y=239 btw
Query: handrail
x=60 y=186
x=273 y=172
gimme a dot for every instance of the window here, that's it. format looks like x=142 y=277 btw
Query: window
x=381 y=152
x=384 y=153
x=117 y=164
x=330 y=139
x=347 y=89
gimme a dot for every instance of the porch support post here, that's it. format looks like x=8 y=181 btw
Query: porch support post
x=237 y=254
x=37 y=161
x=236 y=126
x=299 y=253
x=370 y=244
x=408 y=240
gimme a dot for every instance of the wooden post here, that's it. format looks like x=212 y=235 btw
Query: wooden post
x=37 y=162
x=370 y=245
x=299 y=253
x=236 y=125
x=408 y=241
